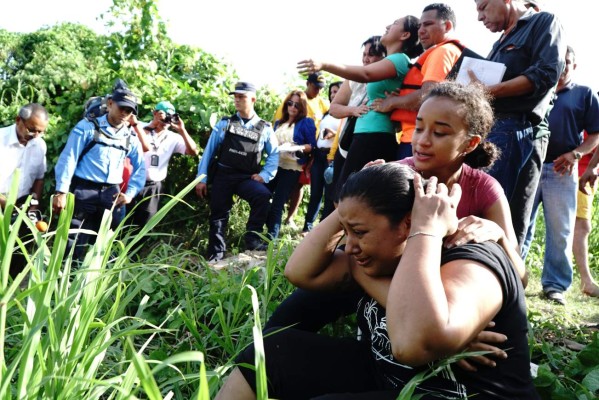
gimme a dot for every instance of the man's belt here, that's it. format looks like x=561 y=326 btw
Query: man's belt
x=92 y=185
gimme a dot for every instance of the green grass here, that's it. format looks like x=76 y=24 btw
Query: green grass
x=154 y=322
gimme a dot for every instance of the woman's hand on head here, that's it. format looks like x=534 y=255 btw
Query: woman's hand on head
x=435 y=206
x=474 y=229
x=309 y=66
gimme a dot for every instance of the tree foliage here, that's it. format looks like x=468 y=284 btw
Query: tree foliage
x=63 y=65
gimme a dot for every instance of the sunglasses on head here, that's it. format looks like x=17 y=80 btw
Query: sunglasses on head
x=292 y=103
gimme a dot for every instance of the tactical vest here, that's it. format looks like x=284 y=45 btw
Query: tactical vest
x=241 y=147
x=411 y=83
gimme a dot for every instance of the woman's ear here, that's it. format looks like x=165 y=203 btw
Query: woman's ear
x=473 y=142
x=406 y=223
x=405 y=36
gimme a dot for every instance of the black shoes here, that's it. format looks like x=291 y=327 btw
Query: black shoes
x=256 y=245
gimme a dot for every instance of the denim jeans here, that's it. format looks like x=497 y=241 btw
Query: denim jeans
x=522 y=201
x=558 y=195
x=317 y=187
x=513 y=136
x=281 y=187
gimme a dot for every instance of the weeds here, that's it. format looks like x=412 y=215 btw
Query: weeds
x=147 y=318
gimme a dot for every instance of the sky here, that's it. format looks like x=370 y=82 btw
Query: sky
x=264 y=39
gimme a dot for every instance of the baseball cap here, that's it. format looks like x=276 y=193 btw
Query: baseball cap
x=244 y=88
x=317 y=78
x=125 y=98
x=166 y=106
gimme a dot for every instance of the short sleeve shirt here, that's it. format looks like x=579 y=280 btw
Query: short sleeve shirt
x=479 y=190
x=374 y=121
x=162 y=146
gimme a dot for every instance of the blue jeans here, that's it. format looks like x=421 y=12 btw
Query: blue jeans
x=281 y=187
x=317 y=187
x=513 y=136
x=558 y=195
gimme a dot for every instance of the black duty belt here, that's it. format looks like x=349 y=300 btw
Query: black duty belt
x=91 y=184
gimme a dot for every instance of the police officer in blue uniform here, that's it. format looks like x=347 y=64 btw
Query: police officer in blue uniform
x=236 y=147
x=91 y=167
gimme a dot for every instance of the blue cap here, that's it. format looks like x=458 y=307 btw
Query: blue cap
x=125 y=98
x=244 y=88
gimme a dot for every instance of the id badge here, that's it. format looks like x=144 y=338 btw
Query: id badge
x=154 y=160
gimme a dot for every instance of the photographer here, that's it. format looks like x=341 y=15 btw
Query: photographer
x=159 y=144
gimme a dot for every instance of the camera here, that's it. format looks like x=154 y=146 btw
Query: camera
x=171 y=119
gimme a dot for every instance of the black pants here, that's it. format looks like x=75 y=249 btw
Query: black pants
x=306 y=365
x=91 y=201
x=366 y=147
x=228 y=182
x=311 y=311
x=18 y=260
x=146 y=203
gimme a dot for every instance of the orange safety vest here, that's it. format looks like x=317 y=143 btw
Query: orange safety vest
x=412 y=82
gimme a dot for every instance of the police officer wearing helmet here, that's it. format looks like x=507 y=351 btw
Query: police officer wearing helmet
x=91 y=167
x=239 y=142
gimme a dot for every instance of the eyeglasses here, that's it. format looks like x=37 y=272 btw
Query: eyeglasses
x=32 y=132
x=292 y=103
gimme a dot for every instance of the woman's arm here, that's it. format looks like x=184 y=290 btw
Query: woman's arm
x=339 y=106
x=377 y=71
x=316 y=264
x=458 y=299
x=305 y=133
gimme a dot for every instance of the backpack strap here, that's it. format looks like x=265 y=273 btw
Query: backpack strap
x=91 y=144
x=98 y=139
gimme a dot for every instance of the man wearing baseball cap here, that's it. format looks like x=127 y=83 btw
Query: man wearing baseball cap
x=232 y=162
x=91 y=167
x=159 y=144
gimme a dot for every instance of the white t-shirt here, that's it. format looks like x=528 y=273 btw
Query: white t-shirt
x=163 y=147
x=30 y=159
x=287 y=160
x=328 y=122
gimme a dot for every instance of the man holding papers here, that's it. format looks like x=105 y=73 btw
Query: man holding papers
x=533 y=50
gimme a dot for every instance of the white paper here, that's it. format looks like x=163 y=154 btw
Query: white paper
x=488 y=72
x=291 y=147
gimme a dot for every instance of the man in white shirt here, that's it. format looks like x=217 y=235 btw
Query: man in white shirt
x=22 y=147
x=159 y=144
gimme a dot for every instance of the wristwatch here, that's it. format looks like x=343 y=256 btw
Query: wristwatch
x=577 y=154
